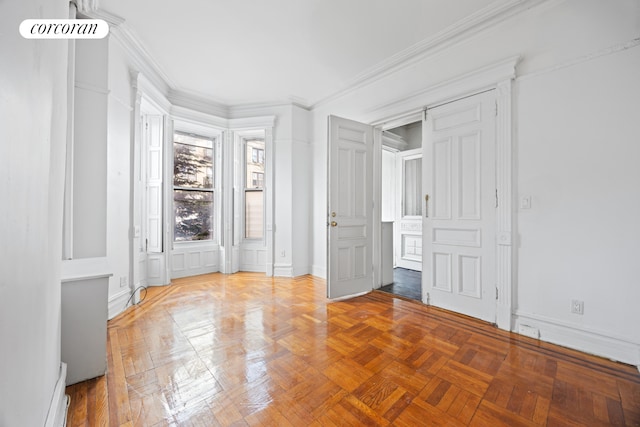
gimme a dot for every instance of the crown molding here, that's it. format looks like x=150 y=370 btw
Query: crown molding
x=198 y=103
x=252 y=123
x=195 y=102
x=475 y=81
x=258 y=109
x=462 y=30
x=148 y=90
x=109 y=18
x=190 y=115
x=619 y=47
x=85 y=6
x=392 y=140
x=140 y=57
x=143 y=62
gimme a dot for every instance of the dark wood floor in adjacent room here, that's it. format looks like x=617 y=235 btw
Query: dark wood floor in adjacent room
x=248 y=350
x=406 y=283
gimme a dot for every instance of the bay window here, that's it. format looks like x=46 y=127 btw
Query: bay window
x=193 y=187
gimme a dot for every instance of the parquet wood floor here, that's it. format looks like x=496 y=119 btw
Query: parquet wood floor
x=248 y=350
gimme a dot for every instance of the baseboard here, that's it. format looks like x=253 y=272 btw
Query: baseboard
x=346 y=297
x=188 y=272
x=301 y=271
x=283 y=271
x=57 y=416
x=252 y=268
x=319 y=271
x=582 y=339
x=117 y=302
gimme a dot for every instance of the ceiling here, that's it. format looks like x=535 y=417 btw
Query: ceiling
x=237 y=52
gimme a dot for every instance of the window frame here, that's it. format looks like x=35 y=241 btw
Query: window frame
x=245 y=140
x=215 y=232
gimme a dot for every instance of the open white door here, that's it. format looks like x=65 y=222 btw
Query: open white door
x=350 y=208
x=408 y=232
x=460 y=212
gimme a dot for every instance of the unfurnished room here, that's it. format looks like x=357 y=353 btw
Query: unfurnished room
x=319 y=213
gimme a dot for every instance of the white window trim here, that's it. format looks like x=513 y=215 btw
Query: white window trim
x=215 y=146
x=205 y=131
x=243 y=140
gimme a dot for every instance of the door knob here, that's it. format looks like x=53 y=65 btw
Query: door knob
x=333 y=223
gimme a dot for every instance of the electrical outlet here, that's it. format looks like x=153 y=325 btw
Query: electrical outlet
x=525 y=202
x=577 y=307
x=123 y=282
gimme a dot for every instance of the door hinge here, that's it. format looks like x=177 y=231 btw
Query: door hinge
x=496 y=294
x=424 y=114
x=496 y=197
x=427 y=298
x=495 y=108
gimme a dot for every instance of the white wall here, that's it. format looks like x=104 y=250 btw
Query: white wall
x=301 y=192
x=292 y=182
x=575 y=115
x=90 y=149
x=119 y=143
x=33 y=105
x=578 y=156
x=389 y=199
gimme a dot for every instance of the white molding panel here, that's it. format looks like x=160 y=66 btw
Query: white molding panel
x=156 y=271
x=191 y=259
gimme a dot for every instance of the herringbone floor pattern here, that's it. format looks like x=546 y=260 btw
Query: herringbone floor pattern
x=248 y=350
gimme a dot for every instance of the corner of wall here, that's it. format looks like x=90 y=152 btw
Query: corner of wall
x=319 y=271
x=118 y=302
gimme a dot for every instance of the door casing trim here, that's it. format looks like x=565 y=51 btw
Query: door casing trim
x=499 y=76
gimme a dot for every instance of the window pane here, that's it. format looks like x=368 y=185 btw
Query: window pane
x=253 y=214
x=412 y=187
x=255 y=164
x=193 y=213
x=192 y=165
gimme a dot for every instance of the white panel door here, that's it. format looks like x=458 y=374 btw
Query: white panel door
x=459 y=216
x=408 y=232
x=350 y=209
